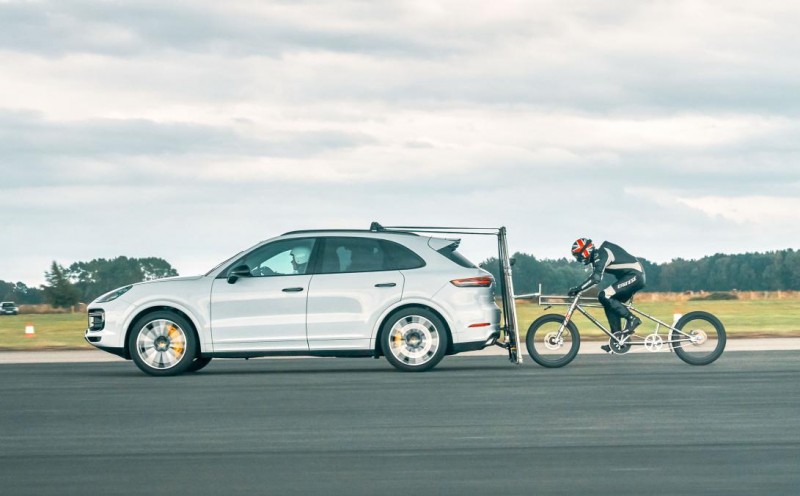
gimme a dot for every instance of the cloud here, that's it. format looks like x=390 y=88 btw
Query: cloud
x=748 y=209
x=238 y=29
x=615 y=57
x=190 y=130
x=39 y=152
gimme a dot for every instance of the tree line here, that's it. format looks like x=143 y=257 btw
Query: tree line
x=770 y=271
x=85 y=281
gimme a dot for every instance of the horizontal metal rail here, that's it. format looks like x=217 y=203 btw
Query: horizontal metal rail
x=558 y=300
x=479 y=231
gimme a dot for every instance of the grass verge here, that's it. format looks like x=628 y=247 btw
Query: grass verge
x=742 y=318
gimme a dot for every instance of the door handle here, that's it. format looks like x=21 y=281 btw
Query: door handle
x=386 y=285
x=292 y=290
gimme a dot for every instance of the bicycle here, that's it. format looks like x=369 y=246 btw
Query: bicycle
x=698 y=338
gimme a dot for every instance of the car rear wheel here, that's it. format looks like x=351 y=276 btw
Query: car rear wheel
x=162 y=343
x=414 y=340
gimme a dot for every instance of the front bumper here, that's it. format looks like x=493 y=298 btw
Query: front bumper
x=108 y=334
x=120 y=352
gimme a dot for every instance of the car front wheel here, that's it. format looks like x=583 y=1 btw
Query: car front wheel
x=414 y=340
x=162 y=343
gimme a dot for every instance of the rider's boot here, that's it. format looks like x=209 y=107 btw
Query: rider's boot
x=607 y=349
x=632 y=323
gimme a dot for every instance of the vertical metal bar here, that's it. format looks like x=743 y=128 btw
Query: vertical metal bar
x=509 y=307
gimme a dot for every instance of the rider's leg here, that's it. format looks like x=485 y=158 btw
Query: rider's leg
x=609 y=305
x=624 y=291
x=613 y=318
x=613 y=297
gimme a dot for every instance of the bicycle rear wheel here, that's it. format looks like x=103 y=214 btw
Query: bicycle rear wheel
x=544 y=345
x=700 y=340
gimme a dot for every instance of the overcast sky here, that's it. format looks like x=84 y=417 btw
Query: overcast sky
x=192 y=130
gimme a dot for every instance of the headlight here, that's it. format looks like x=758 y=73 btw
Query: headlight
x=114 y=294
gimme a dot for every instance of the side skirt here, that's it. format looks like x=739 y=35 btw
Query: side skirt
x=297 y=353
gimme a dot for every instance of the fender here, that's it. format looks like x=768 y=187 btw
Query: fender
x=404 y=303
x=200 y=323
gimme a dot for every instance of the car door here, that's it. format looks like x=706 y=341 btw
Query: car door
x=265 y=309
x=354 y=284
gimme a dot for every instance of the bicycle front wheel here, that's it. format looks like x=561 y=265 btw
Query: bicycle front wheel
x=546 y=347
x=700 y=338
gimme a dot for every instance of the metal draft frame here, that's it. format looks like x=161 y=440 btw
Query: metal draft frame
x=510 y=325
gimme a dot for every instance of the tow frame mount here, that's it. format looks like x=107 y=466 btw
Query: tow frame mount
x=509 y=325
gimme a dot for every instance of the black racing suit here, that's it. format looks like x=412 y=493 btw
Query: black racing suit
x=612 y=259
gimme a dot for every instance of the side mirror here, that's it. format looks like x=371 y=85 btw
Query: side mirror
x=237 y=272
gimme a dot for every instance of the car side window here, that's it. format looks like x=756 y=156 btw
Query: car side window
x=281 y=258
x=398 y=257
x=341 y=255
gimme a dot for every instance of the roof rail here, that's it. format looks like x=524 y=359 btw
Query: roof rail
x=313 y=231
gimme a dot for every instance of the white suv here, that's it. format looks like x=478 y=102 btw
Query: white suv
x=338 y=293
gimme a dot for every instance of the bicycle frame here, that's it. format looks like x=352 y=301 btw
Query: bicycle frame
x=550 y=301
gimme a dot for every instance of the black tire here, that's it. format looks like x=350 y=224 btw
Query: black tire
x=162 y=344
x=414 y=339
x=542 y=347
x=700 y=353
x=198 y=363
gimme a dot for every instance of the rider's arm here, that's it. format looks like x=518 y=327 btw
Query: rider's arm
x=599 y=266
x=591 y=281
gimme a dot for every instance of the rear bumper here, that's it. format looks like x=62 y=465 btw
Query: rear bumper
x=476 y=345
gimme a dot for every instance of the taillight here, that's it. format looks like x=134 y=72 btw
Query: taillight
x=473 y=282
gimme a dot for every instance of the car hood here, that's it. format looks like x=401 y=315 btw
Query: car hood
x=170 y=279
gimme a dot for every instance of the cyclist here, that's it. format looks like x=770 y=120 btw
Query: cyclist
x=612 y=259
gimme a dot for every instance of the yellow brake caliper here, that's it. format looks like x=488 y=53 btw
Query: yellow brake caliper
x=175 y=339
x=397 y=339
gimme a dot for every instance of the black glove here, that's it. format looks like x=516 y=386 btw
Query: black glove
x=573 y=291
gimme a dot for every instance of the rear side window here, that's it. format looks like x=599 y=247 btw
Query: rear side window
x=352 y=255
x=341 y=255
x=453 y=255
x=398 y=257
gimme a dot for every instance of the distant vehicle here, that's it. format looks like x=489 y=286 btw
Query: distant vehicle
x=8 y=308
x=410 y=298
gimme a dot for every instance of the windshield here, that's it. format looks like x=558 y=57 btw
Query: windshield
x=224 y=262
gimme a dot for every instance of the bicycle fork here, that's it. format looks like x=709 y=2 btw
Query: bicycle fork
x=567 y=318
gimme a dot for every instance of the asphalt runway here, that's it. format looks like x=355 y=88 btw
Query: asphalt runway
x=625 y=425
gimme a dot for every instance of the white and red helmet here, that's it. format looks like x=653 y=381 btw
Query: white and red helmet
x=582 y=250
